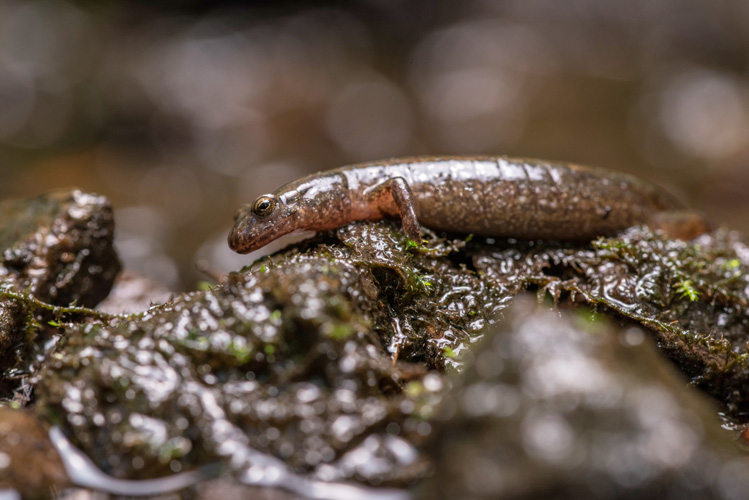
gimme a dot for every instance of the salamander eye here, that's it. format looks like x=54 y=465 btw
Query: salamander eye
x=264 y=206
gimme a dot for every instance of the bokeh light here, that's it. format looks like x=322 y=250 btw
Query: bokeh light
x=181 y=114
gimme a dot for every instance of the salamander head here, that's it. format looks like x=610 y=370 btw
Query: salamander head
x=317 y=203
x=260 y=222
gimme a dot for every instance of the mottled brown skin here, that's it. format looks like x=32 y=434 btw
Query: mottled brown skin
x=491 y=196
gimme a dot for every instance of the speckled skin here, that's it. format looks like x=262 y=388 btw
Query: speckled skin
x=491 y=196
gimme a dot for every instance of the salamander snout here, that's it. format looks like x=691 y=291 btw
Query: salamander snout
x=259 y=223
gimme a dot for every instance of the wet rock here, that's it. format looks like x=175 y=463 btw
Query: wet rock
x=18 y=351
x=55 y=250
x=28 y=461
x=11 y=327
x=328 y=355
x=227 y=490
x=58 y=247
x=281 y=360
x=567 y=406
x=693 y=296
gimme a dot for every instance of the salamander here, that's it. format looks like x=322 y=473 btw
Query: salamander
x=490 y=196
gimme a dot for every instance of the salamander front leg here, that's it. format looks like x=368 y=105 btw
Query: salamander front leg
x=394 y=197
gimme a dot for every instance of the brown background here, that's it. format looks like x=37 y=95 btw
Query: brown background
x=180 y=112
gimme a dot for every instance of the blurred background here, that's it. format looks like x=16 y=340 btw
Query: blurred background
x=180 y=112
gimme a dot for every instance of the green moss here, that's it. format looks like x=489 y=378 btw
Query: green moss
x=341 y=331
x=590 y=320
x=423 y=283
x=414 y=389
x=205 y=285
x=241 y=352
x=730 y=264
x=173 y=449
x=686 y=290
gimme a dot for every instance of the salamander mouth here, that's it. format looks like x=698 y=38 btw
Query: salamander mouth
x=245 y=236
x=238 y=241
x=245 y=239
x=251 y=233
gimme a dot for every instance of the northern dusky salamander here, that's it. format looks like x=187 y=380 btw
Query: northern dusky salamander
x=491 y=196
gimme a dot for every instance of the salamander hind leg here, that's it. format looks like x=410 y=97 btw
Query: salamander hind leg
x=394 y=197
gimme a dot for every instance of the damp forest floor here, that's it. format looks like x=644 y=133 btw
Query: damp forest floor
x=357 y=356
